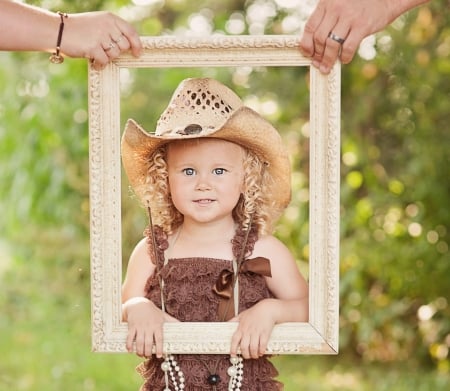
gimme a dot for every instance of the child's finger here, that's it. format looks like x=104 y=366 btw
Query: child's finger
x=148 y=345
x=263 y=341
x=158 y=340
x=245 y=347
x=140 y=345
x=130 y=339
x=235 y=342
x=254 y=347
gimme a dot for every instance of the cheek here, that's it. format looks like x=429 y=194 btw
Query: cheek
x=237 y=189
x=178 y=190
x=177 y=201
x=172 y=186
x=241 y=182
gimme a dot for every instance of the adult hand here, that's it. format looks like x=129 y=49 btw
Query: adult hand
x=100 y=36
x=337 y=27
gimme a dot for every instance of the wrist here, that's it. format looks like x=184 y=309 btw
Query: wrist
x=56 y=57
x=131 y=302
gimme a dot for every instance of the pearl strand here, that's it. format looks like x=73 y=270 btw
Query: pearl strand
x=236 y=373
x=171 y=368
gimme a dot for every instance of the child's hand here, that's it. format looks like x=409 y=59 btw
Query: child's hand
x=145 y=328
x=254 y=330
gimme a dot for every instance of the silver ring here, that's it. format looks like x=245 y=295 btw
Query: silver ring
x=118 y=39
x=336 y=38
x=112 y=45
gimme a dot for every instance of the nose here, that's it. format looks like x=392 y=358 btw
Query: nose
x=203 y=182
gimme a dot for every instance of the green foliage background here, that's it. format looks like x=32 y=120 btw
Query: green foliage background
x=395 y=215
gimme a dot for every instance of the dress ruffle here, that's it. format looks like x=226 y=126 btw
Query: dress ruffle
x=189 y=297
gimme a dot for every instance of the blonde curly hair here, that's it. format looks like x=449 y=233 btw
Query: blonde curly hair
x=254 y=206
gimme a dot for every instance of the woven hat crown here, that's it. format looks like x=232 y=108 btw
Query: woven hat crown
x=206 y=100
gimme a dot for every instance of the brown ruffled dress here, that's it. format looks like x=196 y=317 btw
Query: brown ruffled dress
x=189 y=297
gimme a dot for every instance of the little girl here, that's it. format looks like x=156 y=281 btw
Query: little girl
x=214 y=177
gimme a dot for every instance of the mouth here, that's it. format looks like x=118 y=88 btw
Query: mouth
x=204 y=201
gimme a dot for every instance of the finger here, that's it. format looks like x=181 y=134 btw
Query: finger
x=100 y=55
x=99 y=59
x=135 y=44
x=321 y=35
x=140 y=345
x=158 y=339
x=333 y=48
x=148 y=347
x=131 y=35
x=130 y=340
x=244 y=345
x=235 y=342
x=111 y=49
x=258 y=345
x=263 y=341
x=307 y=41
x=122 y=42
x=254 y=347
x=350 y=46
x=97 y=66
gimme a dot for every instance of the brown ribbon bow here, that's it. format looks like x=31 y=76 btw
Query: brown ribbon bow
x=224 y=284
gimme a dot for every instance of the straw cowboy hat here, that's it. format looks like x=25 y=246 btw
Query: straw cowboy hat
x=202 y=108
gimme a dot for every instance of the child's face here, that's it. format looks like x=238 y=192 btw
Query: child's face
x=205 y=178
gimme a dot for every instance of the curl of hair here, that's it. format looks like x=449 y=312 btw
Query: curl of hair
x=256 y=206
x=157 y=193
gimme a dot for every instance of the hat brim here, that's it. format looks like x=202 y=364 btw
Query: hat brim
x=245 y=127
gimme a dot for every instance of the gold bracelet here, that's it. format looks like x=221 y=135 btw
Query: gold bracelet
x=56 y=57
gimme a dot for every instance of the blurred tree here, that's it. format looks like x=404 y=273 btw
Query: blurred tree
x=395 y=191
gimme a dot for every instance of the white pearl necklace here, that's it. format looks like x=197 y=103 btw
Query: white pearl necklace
x=236 y=373
x=171 y=369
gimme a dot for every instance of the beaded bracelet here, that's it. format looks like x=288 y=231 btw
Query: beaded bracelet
x=56 y=57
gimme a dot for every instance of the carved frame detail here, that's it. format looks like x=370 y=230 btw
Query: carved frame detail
x=320 y=335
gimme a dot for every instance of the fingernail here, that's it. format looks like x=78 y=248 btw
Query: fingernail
x=324 y=69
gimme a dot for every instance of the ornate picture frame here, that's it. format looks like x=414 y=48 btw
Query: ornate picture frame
x=320 y=334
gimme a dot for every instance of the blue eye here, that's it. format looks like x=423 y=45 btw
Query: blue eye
x=188 y=171
x=219 y=171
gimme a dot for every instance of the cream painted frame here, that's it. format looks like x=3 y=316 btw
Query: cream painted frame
x=318 y=336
